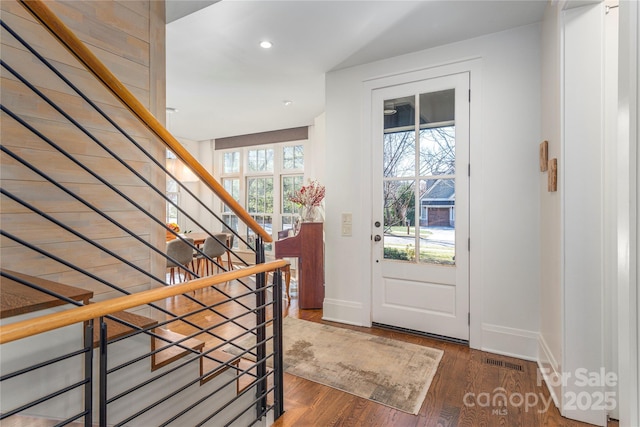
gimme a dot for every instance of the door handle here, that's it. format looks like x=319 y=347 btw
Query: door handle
x=377 y=238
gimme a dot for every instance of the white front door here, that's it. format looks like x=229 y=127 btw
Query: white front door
x=421 y=206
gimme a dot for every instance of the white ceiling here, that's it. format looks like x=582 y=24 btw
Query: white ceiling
x=224 y=84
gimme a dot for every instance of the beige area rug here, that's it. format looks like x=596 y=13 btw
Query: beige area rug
x=390 y=372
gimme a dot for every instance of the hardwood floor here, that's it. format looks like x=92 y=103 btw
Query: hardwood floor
x=464 y=375
x=461 y=371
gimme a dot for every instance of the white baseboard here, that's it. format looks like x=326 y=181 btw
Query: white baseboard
x=349 y=312
x=511 y=342
x=549 y=369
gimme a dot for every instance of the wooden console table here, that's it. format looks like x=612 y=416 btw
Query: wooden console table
x=308 y=247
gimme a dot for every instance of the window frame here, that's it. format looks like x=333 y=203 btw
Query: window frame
x=173 y=195
x=244 y=173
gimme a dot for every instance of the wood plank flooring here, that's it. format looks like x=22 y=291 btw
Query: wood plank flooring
x=464 y=375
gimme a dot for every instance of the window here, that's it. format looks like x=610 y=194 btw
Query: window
x=232 y=185
x=293 y=157
x=232 y=162
x=419 y=178
x=174 y=196
x=260 y=195
x=173 y=193
x=260 y=203
x=260 y=178
x=260 y=160
x=292 y=160
x=290 y=184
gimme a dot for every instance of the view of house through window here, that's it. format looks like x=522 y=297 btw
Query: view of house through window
x=419 y=171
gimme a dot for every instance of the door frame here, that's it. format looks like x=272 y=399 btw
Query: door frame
x=474 y=68
x=423 y=282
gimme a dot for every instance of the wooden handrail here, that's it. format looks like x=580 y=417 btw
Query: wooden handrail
x=69 y=40
x=48 y=322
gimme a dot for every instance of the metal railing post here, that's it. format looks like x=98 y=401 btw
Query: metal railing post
x=88 y=372
x=261 y=333
x=97 y=369
x=103 y=373
x=277 y=345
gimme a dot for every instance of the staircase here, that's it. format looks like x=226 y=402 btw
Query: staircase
x=140 y=352
x=87 y=336
x=17 y=299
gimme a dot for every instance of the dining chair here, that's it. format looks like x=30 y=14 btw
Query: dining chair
x=214 y=248
x=182 y=252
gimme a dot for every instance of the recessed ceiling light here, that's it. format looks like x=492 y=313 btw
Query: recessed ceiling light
x=265 y=44
x=390 y=109
x=287 y=103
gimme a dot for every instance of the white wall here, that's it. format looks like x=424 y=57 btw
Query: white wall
x=582 y=201
x=610 y=296
x=550 y=339
x=628 y=219
x=505 y=132
x=314 y=165
x=187 y=202
x=578 y=283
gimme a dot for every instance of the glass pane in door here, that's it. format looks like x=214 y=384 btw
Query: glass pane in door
x=437 y=221
x=420 y=153
x=437 y=168
x=399 y=172
x=438 y=151
x=399 y=113
x=437 y=107
x=419 y=178
x=399 y=220
x=399 y=154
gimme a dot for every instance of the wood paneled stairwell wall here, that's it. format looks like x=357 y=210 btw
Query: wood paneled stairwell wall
x=128 y=37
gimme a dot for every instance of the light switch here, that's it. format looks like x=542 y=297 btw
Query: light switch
x=346 y=224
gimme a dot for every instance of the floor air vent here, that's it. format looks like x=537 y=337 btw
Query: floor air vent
x=493 y=362
x=503 y=364
x=514 y=366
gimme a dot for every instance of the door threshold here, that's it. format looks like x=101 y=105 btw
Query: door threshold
x=421 y=333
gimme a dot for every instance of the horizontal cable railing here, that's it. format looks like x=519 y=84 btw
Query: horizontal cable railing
x=23 y=329
x=242 y=355
x=80 y=355
x=48 y=19
x=129 y=138
x=147 y=334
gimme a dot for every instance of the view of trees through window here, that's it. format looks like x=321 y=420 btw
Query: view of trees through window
x=232 y=185
x=290 y=184
x=293 y=157
x=173 y=194
x=260 y=160
x=437 y=157
x=260 y=200
x=260 y=179
x=419 y=184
